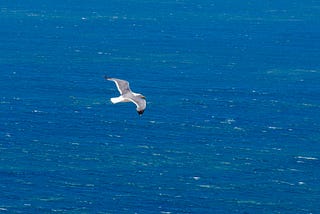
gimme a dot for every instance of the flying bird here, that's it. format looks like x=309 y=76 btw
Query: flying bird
x=126 y=95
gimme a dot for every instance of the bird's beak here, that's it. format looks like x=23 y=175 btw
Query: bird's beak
x=143 y=97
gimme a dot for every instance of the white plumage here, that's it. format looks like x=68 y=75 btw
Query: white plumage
x=126 y=95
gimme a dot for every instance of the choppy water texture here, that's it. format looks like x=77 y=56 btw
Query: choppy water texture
x=232 y=123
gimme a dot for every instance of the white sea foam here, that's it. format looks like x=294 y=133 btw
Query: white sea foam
x=196 y=178
x=117 y=136
x=274 y=128
x=36 y=111
x=205 y=186
x=283 y=182
x=249 y=202
x=228 y=121
x=238 y=128
x=306 y=158
x=143 y=146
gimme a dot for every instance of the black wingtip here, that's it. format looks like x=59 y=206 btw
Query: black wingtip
x=106 y=77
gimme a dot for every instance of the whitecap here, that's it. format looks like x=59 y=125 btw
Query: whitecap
x=228 y=121
x=143 y=146
x=117 y=136
x=36 y=111
x=283 y=182
x=274 y=128
x=249 y=202
x=205 y=186
x=306 y=158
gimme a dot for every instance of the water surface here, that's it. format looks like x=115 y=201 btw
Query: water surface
x=232 y=122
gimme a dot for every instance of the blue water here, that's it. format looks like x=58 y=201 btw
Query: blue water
x=232 y=122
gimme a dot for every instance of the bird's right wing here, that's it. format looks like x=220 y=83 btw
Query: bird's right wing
x=122 y=85
x=140 y=103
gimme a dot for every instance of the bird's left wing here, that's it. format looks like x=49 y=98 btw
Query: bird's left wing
x=122 y=85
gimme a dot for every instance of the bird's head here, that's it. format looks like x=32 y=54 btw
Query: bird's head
x=140 y=112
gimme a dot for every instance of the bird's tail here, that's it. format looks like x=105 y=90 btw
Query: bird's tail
x=115 y=100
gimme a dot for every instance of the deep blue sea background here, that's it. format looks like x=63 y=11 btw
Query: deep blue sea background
x=233 y=117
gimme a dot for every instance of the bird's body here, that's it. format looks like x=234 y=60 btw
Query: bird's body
x=126 y=95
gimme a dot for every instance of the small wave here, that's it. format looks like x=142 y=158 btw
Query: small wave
x=249 y=202
x=274 y=127
x=205 y=186
x=196 y=178
x=306 y=158
x=228 y=121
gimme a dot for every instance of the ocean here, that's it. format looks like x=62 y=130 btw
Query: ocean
x=232 y=123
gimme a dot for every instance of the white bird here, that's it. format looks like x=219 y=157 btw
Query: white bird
x=126 y=95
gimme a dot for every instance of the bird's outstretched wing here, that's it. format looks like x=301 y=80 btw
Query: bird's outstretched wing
x=140 y=103
x=122 y=85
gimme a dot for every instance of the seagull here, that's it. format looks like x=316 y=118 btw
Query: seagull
x=126 y=95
